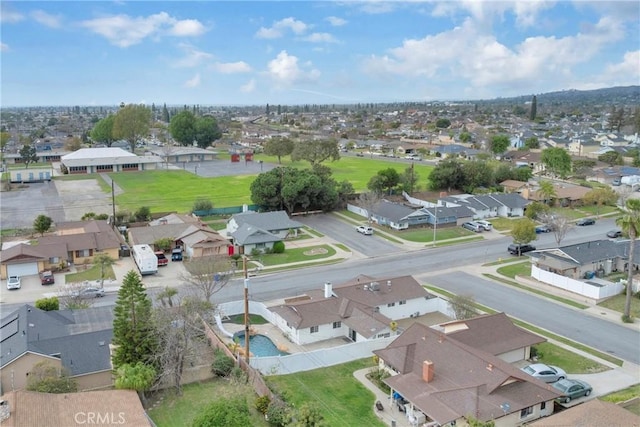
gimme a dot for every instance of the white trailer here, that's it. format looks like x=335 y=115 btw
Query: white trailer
x=145 y=259
x=631 y=180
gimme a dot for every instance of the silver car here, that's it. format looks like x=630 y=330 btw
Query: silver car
x=546 y=373
x=87 y=293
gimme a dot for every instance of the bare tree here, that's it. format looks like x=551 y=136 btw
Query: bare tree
x=181 y=338
x=208 y=275
x=70 y=296
x=167 y=150
x=463 y=306
x=624 y=192
x=558 y=224
x=369 y=200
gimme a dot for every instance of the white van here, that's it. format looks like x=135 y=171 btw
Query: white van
x=473 y=226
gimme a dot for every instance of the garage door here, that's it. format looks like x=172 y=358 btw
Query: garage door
x=26 y=269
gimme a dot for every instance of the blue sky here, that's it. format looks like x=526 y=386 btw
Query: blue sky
x=306 y=52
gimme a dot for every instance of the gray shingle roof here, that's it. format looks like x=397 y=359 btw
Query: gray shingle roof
x=392 y=211
x=248 y=234
x=269 y=221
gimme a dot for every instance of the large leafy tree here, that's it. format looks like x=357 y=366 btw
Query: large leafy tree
x=278 y=146
x=45 y=378
x=132 y=123
x=602 y=196
x=42 y=224
x=447 y=175
x=557 y=161
x=532 y=143
x=207 y=131
x=499 y=144
x=547 y=191
x=613 y=158
x=316 y=151
x=183 y=127
x=28 y=154
x=477 y=173
x=630 y=224
x=409 y=180
x=384 y=181
x=104 y=261
x=523 y=231
x=133 y=332
x=102 y=132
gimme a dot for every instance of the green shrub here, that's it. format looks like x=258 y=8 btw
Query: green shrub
x=278 y=414
x=202 y=205
x=627 y=319
x=228 y=412
x=48 y=304
x=262 y=404
x=278 y=247
x=222 y=364
x=238 y=376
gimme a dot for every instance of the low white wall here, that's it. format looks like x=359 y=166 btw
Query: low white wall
x=576 y=286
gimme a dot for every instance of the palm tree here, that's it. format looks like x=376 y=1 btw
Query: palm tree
x=630 y=224
x=547 y=191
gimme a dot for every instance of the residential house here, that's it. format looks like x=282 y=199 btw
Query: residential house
x=195 y=238
x=494 y=333
x=455 y=150
x=251 y=231
x=594 y=413
x=77 y=341
x=513 y=186
x=364 y=308
x=488 y=205
x=437 y=379
x=566 y=195
x=447 y=216
x=98 y=408
x=530 y=159
x=394 y=215
x=74 y=242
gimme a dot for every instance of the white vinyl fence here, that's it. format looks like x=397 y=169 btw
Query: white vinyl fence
x=590 y=290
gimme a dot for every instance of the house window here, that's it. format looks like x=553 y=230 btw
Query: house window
x=524 y=413
x=391 y=304
x=403 y=302
x=337 y=325
x=83 y=253
x=543 y=406
x=54 y=260
x=313 y=329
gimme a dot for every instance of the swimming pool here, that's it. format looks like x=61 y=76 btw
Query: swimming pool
x=259 y=345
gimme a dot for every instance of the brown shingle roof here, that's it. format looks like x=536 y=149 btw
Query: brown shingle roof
x=466 y=380
x=493 y=333
x=21 y=253
x=107 y=408
x=594 y=413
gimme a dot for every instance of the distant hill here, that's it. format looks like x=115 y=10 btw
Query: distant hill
x=621 y=95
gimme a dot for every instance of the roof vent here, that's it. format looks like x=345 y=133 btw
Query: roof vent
x=374 y=286
x=101 y=343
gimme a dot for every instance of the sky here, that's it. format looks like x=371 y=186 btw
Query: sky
x=311 y=52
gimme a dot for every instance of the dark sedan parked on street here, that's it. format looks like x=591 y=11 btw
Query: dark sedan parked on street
x=586 y=221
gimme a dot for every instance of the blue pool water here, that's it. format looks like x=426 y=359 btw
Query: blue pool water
x=259 y=345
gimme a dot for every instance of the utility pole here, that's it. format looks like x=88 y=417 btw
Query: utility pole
x=246 y=309
x=435 y=224
x=113 y=202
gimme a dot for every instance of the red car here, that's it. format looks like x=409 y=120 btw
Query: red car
x=162 y=260
x=46 y=278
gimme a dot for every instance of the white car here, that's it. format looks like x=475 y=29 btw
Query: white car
x=364 y=229
x=546 y=373
x=13 y=282
x=485 y=224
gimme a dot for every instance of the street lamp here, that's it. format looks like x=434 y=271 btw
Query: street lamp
x=260 y=161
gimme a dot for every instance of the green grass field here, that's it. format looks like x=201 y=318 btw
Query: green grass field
x=177 y=190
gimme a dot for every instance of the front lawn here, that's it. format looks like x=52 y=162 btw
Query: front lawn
x=425 y=235
x=517 y=269
x=616 y=303
x=89 y=274
x=342 y=399
x=571 y=362
x=594 y=210
x=169 y=410
x=310 y=253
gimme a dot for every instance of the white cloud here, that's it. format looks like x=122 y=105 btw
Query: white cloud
x=9 y=16
x=285 y=70
x=46 y=19
x=4 y=47
x=321 y=38
x=625 y=72
x=468 y=52
x=485 y=12
x=231 y=67
x=124 y=31
x=336 y=21
x=375 y=7
x=193 y=82
x=278 y=29
x=248 y=87
x=187 y=27
x=192 y=57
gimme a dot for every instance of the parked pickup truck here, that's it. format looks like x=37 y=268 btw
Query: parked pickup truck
x=162 y=260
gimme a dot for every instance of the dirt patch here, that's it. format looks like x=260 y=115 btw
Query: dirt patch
x=315 y=251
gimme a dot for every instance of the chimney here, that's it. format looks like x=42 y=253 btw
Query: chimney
x=328 y=292
x=427 y=371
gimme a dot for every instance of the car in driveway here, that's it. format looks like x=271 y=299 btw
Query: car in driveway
x=546 y=373
x=585 y=221
x=516 y=249
x=87 y=293
x=46 y=278
x=615 y=233
x=364 y=229
x=473 y=226
x=485 y=224
x=13 y=282
x=571 y=389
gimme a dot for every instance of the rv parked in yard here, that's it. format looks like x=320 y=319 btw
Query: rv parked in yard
x=145 y=259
